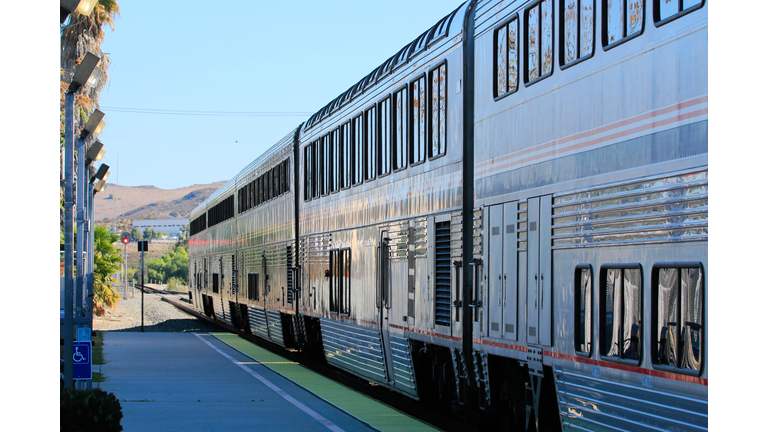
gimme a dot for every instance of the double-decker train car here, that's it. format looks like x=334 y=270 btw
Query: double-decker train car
x=507 y=218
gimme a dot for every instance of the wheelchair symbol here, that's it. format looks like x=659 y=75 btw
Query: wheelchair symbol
x=78 y=357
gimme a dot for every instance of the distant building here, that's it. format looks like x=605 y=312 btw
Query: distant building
x=167 y=226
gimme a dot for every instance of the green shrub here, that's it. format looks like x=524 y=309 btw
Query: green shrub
x=90 y=411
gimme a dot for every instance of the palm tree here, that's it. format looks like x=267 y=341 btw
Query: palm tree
x=81 y=35
x=106 y=259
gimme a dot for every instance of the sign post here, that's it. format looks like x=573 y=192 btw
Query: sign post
x=81 y=360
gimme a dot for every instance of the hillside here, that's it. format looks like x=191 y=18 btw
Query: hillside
x=138 y=202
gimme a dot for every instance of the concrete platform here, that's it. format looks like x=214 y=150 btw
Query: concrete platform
x=197 y=382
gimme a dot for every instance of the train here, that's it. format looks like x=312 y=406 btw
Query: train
x=507 y=220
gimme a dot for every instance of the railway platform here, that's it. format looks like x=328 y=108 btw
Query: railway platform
x=221 y=382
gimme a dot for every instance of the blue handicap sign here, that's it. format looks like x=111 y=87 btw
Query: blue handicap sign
x=81 y=360
x=83 y=334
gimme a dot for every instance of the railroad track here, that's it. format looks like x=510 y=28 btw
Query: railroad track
x=388 y=397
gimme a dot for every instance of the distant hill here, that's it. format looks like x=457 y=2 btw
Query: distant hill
x=138 y=202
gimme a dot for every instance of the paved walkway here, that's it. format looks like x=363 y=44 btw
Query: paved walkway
x=197 y=382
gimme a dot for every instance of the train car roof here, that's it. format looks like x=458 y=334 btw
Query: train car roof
x=262 y=163
x=419 y=45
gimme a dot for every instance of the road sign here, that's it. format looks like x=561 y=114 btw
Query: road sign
x=83 y=334
x=143 y=245
x=81 y=360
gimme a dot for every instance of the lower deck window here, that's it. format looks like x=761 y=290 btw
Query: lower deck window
x=678 y=301
x=340 y=280
x=215 y=286
x=253 y=286
x=621 y=312
x=583 y=309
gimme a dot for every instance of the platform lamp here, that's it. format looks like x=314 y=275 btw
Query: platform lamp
x=84 y=75
x=100 y=178
x=82 y=7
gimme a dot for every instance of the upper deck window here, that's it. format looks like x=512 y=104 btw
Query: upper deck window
x=437 y=106
x=385 y=136
x=578 y=35
x=539 y=25
x=506 y=40
x=418 y=125
x=358 y=149
x=325 y=165
x=370 y=143
x=622 y=20
x=333 y=161
x=345 y=136
x=669 y=10
x=400 y=130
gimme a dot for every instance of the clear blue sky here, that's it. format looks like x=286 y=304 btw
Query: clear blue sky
x=242 y=56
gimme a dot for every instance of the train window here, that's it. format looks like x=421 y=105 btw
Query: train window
x=333 y=161
x=325 y=165
x=253 y=286
x=345 y=136
x=665 y=11
x=583 y=309
x=677 y=315
x=260 y=192
x=437 y=107
x=287 y=175
x=400 y=130
x=622 y=21
x=506 y=60
x=340 y=264
x=539 y=25
x=370 y=144
x=215 y=286
x=578 y=31
x=621 y=312
x=277 y=180
x=358 y=153
x=418 y=132
x=385 y=136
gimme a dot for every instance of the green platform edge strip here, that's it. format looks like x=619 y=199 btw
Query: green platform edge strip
x=379 y=415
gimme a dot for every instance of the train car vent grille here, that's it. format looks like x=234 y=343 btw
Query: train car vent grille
x=443 y=273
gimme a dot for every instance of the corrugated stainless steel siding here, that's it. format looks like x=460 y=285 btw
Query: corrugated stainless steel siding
x=591 y=403
x=669 y=208
x=405 y=380
x=354 y=348
x=258 y=320
x=218 y=307
x=275 y=327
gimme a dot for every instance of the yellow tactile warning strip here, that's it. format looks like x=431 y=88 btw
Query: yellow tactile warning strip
x=377 y=414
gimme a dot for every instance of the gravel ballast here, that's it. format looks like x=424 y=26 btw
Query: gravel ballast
x=159 y=316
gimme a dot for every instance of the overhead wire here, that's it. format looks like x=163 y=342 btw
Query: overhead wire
x=207 y=113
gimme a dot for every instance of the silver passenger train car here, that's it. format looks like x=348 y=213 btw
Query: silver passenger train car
x=508 y=219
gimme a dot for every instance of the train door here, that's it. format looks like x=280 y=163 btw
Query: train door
x=539 y=277
x=384 y=301
x=502 y=271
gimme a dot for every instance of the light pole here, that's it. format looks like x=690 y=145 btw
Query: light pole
x=96 y=152
x=81 y=77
